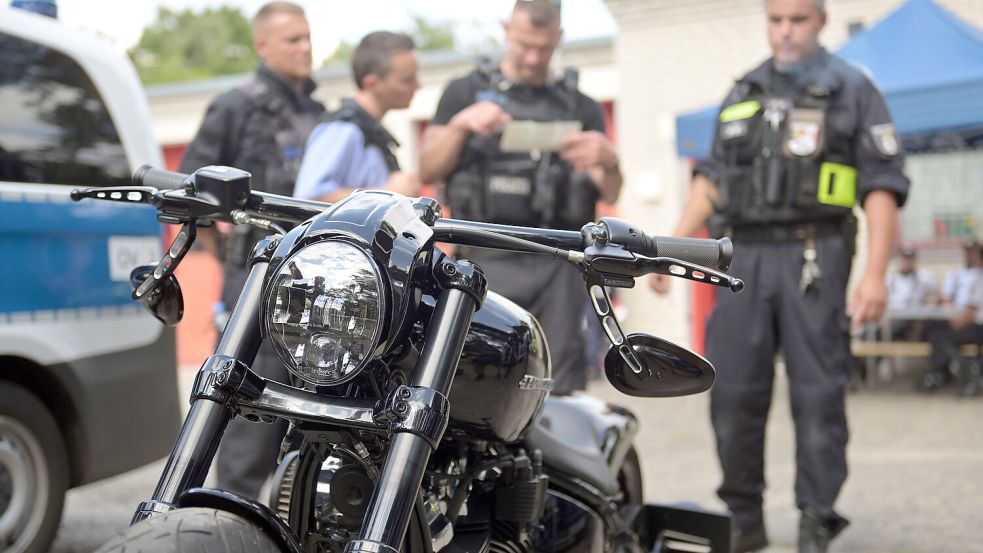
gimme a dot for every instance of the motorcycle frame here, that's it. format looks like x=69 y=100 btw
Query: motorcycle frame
x=415 y=415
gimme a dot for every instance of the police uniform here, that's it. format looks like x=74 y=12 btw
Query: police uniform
x=530 y=189
x=793 y=153
x=348 y=149
x=260 y=127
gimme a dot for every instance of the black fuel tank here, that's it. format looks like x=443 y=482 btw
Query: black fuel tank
x=503 y=378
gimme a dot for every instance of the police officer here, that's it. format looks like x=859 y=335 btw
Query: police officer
x=350 y=148
x=800 y=140
x=547 y=189
x=260 y=127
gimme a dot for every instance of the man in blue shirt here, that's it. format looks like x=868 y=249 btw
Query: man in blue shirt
x=350 y=148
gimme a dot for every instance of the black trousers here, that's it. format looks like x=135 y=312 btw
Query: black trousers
x=553 y=291
x=247 y=455
x=946 y=342
x=812 y=331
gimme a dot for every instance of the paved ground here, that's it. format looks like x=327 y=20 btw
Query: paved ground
x=915 y=484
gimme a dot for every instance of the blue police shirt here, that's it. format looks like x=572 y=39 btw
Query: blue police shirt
x=336 y=158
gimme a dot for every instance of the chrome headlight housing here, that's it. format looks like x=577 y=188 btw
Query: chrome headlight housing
x=324 y=311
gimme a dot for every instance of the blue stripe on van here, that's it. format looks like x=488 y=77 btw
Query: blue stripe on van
x=55 y=253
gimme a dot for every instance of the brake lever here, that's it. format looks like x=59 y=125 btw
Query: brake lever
x=125 y=194
x=618 y=267
x=691 y=271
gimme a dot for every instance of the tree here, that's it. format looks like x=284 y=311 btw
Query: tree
x=184 y=45
x=426 y=35
x=432 y=36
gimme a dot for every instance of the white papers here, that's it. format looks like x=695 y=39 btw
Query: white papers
x=543 y=136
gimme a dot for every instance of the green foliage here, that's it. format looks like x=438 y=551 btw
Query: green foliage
x=184 y=45
x=426 y=34
x=432 y=36
x=342 y=54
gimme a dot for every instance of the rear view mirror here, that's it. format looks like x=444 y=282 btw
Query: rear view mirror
x=166 y=301
x=667 y=370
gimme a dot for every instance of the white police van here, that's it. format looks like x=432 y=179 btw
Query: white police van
x=87 y=379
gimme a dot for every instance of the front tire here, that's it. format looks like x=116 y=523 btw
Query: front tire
x=33 y=472
x=192 y=529
x=630 y=479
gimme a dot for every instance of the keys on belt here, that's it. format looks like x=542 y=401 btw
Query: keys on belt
x=811 y=273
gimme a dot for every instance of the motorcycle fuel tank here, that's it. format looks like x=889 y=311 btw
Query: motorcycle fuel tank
x=503 y=377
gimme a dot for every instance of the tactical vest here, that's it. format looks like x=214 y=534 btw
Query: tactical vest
x=290 y=131
x=783 y=163
x=373 y=131
x=274 y=166
x=528 y=189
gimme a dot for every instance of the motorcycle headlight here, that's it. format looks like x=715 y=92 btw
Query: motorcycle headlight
x=324 y=312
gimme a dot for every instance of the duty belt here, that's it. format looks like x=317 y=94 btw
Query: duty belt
x=786 y=232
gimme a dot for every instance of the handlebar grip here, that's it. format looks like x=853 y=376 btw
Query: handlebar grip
x=701 y=251
x=158 y=178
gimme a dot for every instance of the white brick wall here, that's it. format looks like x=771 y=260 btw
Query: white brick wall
x=676 y=56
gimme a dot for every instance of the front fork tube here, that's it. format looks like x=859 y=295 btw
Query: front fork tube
x=392 y=503
x=208 y=417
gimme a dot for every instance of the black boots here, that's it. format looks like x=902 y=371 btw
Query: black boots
x=816 y=532
x=751 y=540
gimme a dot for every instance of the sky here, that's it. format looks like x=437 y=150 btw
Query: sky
x=334 y=20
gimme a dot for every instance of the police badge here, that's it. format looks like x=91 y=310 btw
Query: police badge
x=805 y=132
x=886 y=139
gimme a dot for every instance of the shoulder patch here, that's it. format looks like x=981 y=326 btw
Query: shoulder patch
x=886 y=139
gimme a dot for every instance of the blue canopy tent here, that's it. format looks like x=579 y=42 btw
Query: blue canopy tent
x=928 y=63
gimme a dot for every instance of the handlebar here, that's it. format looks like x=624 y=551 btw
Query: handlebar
x=224 y=194
x=158 y=178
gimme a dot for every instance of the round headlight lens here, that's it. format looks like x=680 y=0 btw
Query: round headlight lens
x=324 y=312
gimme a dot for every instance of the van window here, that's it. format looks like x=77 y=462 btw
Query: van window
x=54 y=127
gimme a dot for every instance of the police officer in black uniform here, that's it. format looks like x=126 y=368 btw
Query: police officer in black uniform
x=260 y=127
x=800 y=140
x=547 y=189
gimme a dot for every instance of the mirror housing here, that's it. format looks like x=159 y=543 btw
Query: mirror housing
x=166 y=302
x=668 y=370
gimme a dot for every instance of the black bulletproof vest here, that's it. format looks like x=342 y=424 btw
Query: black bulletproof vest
x=373 y=131
x=528 y=189
x=289 y=129
x=783 y=162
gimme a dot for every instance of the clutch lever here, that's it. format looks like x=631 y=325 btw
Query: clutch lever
x=126 y=194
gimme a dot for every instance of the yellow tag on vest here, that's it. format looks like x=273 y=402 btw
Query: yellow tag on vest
x=742 y=110
x=837 y=185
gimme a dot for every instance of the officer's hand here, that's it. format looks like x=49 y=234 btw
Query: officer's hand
x=407 y=184
x=588 y=149
x=660 y=284
x=868 y=301
x=485 y=118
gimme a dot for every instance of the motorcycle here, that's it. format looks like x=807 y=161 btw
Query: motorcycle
x=419 y=411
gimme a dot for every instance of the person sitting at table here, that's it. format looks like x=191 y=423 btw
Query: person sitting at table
x=963 y=291
x=908 y=288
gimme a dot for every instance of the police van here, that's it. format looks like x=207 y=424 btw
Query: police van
x=88 y=384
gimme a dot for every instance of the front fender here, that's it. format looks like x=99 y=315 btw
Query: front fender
x=253 y=511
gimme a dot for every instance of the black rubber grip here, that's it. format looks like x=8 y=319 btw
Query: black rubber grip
x=715 y=254
x=158 y=178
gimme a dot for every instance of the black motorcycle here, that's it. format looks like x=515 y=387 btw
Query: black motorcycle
x=419 y=415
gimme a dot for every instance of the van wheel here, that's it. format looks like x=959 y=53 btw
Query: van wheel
x=33 y=472
x=192 y=529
